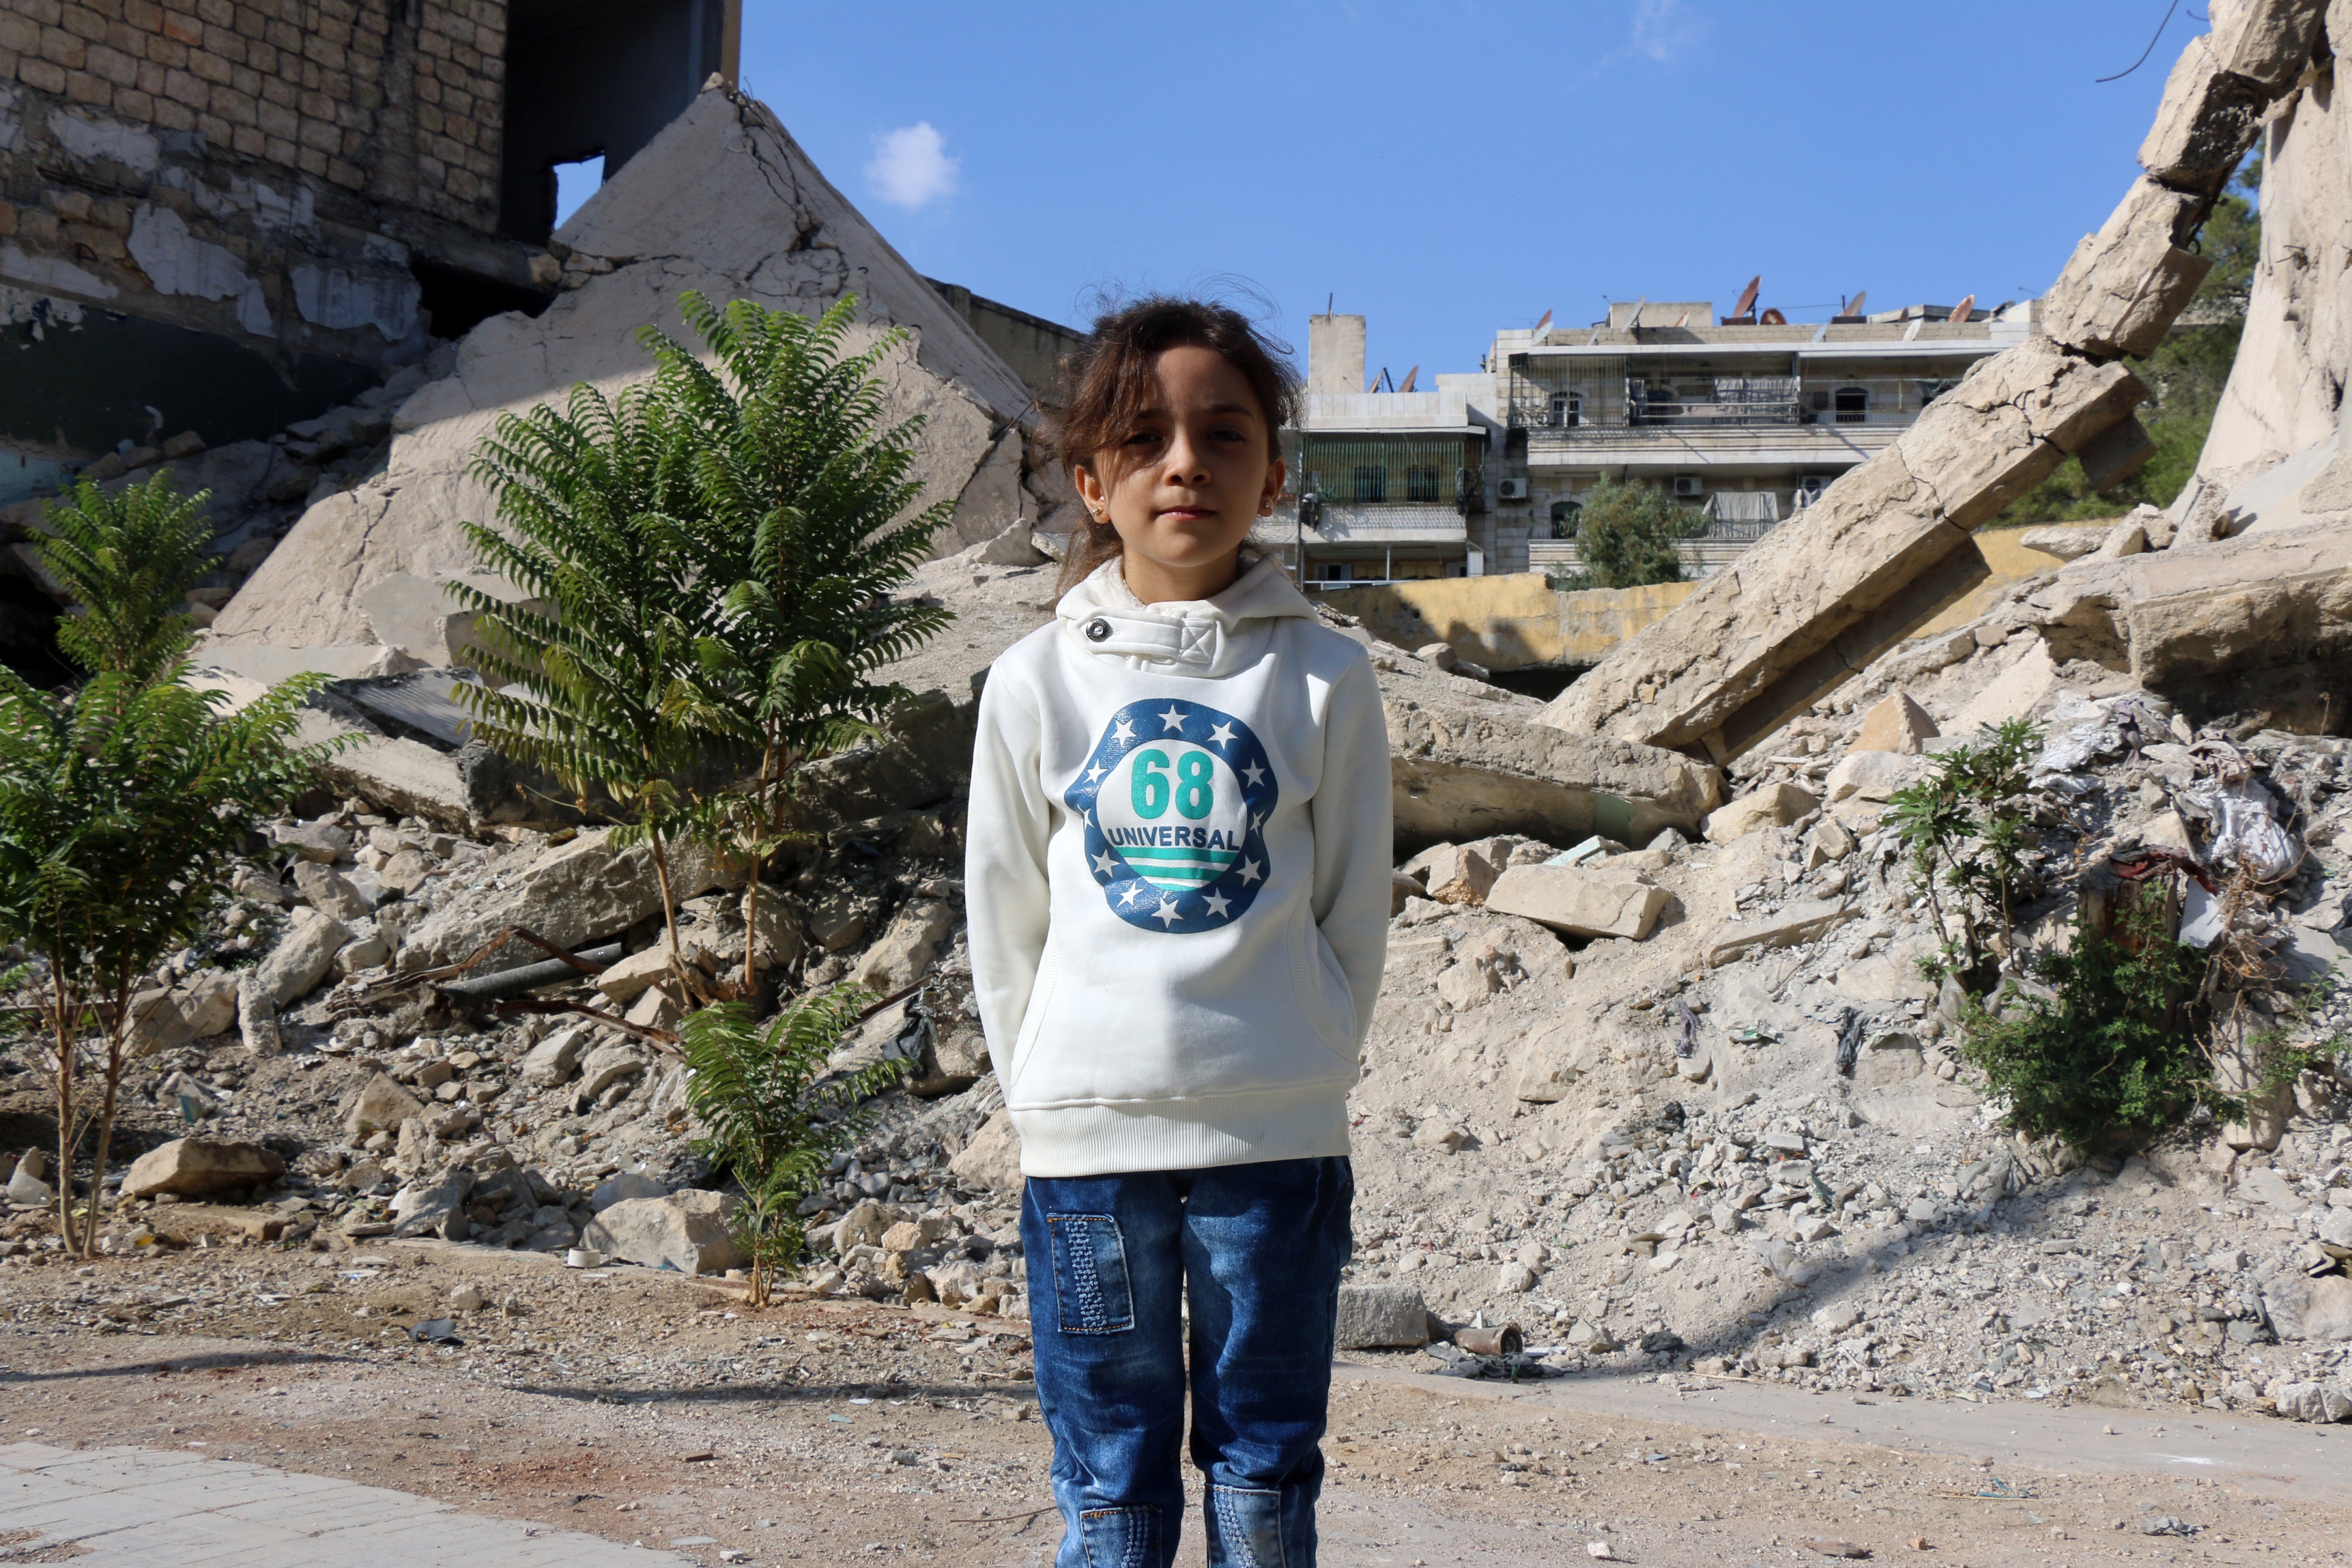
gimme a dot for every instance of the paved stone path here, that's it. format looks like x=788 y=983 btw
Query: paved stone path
x=146 y=1508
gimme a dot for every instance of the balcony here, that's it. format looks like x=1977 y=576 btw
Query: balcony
x=1387 y=523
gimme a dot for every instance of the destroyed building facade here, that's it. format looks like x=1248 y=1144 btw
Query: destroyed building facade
x=1746 y=419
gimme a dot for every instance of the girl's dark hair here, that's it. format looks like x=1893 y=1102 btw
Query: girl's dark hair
x=1107 y=381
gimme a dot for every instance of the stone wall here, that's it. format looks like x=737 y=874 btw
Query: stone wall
x=267 y=173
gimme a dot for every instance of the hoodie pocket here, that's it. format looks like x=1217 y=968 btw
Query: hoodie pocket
x=1033 y=1021
x=1321 y=986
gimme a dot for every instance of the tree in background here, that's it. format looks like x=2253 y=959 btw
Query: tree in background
x=802 y=523
x=1626 y=538
x=590 y=689
x=127 y=562
x=2185 y=375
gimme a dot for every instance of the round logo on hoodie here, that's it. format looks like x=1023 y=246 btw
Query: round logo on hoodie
x=1175 y=800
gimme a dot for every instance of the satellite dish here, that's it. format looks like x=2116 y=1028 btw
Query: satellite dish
x=1748 y=296
x=1853 y=305
x=1772 y=316
x=1544 y=323
x=1961 y=312
x=1409 y=376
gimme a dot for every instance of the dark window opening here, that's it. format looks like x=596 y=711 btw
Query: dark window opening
x=455 y=302
x=1567 y=517
x=1371 y=482
x=1420 y=482
x=1853 y=405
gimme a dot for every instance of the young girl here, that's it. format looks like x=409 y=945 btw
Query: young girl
x=1177 y=879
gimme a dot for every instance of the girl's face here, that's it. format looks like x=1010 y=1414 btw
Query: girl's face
x=1189 y=477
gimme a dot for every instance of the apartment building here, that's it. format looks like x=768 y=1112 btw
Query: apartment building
x=1743 y=419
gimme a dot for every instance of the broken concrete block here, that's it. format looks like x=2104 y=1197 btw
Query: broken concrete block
x=2301 y=1308
x=906 y=948
x=1775 y=806
x=201 y=1007
x=625 y=979
x=572 y=895
x=380 y=1106
x=330 y=893
x=690 y=1230
x=1453 y=873
x=2116 y=454
x=1897 y=724
x=320 y=843
x=2270 y=42
x=2208 y=117
x=993 y=1158
x=1827 y=840
x=656 y=1009
x=2123 y=539
x=256 y=1017
x=2124 y=285
x=554 y=1059
x=1578 y=902
x=1377 y=1317
x=2067 y=543
x=305 y=952
x=1803 y=920
x=192 y=1167
x=1873 y=775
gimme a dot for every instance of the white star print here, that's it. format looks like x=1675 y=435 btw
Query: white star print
x=1094 y=774
x=1107 y=864
x=1218 y=903
x=1252 y=773
x=1125 y=731
x=1134 y=891
x=1173 y=718
x=1250 y=872
x=1166 y=914
x=1223 y=735
x=1257 y=822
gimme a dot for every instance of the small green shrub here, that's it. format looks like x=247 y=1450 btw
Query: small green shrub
x=1626 y=538
x=2113 y=1049
x=773 y=1123
x=128 y=562
x=1965 y=826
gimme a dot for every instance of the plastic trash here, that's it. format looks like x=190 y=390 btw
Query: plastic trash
x=2246 y=835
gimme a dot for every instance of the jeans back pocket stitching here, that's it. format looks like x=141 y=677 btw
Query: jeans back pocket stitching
x=1232 y=1534
x=1078 y=1267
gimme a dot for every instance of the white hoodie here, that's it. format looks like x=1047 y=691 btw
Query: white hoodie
x=1178 y=877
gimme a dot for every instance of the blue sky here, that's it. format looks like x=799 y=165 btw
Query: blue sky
x=1451 y=167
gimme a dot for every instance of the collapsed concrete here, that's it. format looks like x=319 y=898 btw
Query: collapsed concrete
x=722 y=200
x=1824 y=595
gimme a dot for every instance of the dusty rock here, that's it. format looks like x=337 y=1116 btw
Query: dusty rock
x=2209 y=116
x=1803 y=920
x=606 y=1065
x=199 y=1009
x=1774 y=806
x=554 y=1059
x=2126 y=284
x=690 y=1230
x=906 y=948
x=436 y=1208
x=192 y=1167
x=382 y=1106
x=624 y=979
x=1872 y=775
x=2301 y=1308
x=2066 y=544
x=1453 y=873
x=1897 y=724
x=622 y=1187
x=1579 y=902
x=572 y=895
x=257 y=1016
x=320 y=843
x=302 y=956
x=329 y=893
x=993 y=1158
x=1381 y=1316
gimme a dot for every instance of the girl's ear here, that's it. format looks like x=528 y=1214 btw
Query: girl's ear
x=1091 y=494
x=1276 y=473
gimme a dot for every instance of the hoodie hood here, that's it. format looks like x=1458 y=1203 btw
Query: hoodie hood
x=1189 y=636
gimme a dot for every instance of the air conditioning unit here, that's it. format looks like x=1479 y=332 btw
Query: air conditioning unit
x=1511 y=489
x=1687 y=486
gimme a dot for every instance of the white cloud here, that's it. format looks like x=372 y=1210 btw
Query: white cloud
x=911 y=167
x=1663 y=29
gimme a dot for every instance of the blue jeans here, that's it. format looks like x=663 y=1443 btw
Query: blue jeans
x=1260 y=1248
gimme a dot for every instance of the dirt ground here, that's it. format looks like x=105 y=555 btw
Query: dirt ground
x=646 y=1407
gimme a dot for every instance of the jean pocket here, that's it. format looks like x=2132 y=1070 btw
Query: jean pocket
x=1090 y=1274
x=1121 y=1537
x=1245 y=1527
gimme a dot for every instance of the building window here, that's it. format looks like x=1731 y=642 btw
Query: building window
x=1420 y=482
x=1853 y=405
x=1338 y=571
x=1567 y=410
x=1371 y=482
x=1567 y=517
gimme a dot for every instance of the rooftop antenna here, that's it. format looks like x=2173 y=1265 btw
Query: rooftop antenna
x=1748 y=296
x=1329 y=300
x=1409 y=376
x=1961 y=311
